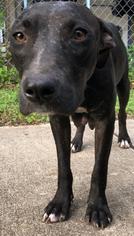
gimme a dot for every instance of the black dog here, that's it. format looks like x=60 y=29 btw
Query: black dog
x=71 y=61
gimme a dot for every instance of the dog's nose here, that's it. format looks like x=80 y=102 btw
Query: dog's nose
x=39 y=90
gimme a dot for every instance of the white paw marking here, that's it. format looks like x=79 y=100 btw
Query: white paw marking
x=71 y=145
x=124 y=144
x=73 y=148
x=127 y=144
x=52 y=218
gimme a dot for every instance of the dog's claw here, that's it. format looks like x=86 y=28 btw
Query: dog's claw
x=100 y=217
x=45 y=217
x=109 y=220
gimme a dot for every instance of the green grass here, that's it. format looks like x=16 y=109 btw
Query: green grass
x=130 y=106
x=9 y=110
x=10 y=115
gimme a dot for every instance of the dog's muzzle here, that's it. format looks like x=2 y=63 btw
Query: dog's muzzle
x=47 y=94
x=40 y=89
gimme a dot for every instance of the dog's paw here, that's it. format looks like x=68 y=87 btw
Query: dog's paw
x=53 y=218
x=76 y=144
x=124 y=144
x=99 y=217
x=57 y=210
x=124 y=141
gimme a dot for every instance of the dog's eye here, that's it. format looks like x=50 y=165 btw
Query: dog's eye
x=20 y=37
x=79 y=35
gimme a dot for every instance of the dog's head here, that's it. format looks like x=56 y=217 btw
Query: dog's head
x=55 y=47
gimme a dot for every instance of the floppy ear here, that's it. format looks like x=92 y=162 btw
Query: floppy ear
x=106 y=38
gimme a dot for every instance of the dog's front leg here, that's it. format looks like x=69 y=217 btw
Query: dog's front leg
x=58 y=208
x=98 y=211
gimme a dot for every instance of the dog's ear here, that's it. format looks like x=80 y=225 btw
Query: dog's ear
x=106 y=43
x=106 y=36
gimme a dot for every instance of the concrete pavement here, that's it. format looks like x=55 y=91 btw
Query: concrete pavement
x=28 y=175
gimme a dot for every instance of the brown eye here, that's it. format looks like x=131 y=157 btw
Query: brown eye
x=20 y=37
x=79 y=35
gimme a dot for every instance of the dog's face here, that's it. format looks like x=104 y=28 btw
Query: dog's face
x=55 y=47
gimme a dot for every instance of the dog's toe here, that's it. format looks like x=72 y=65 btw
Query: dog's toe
x=57 y=210
x=52 y=218
x=76 y=145
x=100 y=218
x=73 y=148
x=124 y=144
